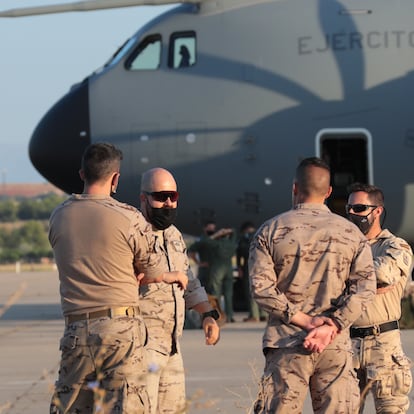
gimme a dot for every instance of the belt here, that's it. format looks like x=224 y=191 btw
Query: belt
x=373 y=330
x=130 y=311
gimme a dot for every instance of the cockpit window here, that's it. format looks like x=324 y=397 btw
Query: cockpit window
x=147 y=56
x=182 y=51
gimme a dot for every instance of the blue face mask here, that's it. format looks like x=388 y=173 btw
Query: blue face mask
x=362 y=222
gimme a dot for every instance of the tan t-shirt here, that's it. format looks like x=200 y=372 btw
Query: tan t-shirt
x=96 y=241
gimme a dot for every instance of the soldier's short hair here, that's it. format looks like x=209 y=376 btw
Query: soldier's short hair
x=208 y=222
x=375 y=194
x=309 y=179
x=245 y=225
x=100 y=160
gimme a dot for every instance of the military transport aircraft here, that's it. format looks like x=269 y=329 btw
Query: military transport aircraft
x=230 y=94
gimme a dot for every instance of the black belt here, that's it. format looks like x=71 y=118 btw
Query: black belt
x=373 y=330
x=118 y=311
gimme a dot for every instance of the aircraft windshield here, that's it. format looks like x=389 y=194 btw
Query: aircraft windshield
x=147 y=56
x=119 y=52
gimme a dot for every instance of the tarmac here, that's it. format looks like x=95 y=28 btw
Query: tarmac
x=220 y=379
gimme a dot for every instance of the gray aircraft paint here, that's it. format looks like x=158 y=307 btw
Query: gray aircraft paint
x=273 y=82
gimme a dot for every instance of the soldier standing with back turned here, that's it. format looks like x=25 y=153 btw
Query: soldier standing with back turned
x=312 y=271
x=96 y=241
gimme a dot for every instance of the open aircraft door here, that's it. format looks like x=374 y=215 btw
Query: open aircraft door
x=348 y=152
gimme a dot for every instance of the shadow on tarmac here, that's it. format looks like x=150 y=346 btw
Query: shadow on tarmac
x=32 y=312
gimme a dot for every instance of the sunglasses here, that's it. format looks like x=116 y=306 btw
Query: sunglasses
x=358 y=208
x=163 y=196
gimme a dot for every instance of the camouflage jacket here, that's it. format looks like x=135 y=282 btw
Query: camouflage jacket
x=163 y=305
x=392 y=263
x=311 y=260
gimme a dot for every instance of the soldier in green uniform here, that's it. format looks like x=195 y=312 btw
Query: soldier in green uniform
x=202 y=250
x=247 y=231
x=221 y=280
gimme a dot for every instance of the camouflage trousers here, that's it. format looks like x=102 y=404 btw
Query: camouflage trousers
x=166 y=382
x=103 y=368
x=383 y=369
x=290 y=372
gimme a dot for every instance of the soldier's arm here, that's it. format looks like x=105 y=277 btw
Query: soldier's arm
x=393 y=263
x=196 y=298
x=167 y=277
x=264 y=281
x=361 y=288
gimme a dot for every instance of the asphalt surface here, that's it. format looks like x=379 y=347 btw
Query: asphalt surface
x=220 y=379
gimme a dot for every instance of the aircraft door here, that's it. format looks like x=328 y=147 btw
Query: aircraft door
x=349 y=155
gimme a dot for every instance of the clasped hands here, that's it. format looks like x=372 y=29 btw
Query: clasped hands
x=322 y=330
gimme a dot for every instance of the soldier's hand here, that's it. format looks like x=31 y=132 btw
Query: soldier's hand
x=308 y=322
x=211 y=330
x=139 y=277
x=319 y=338
x=176 y=277
x=384 y=289
x=321 y=320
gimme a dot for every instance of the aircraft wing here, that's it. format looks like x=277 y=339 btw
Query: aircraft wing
x=87 y=5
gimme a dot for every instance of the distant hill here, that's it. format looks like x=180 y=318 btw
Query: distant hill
x=28 y=190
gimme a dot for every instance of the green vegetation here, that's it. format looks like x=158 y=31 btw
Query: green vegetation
x=39 y=208
x=23 y=228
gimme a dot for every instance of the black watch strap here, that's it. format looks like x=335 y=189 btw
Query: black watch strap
x=213 y=313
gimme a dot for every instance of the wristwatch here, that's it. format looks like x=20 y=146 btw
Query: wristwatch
x=213 y=313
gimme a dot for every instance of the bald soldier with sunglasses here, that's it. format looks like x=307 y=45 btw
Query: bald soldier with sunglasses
x=168 y=287
x=381 y=365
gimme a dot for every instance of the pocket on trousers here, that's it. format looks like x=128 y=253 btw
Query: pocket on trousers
x=403 y=378
x=68 y=343
x=126 y=396
x=402 y=360
x=395 y=379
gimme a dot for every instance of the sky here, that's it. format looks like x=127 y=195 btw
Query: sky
x=41 y=57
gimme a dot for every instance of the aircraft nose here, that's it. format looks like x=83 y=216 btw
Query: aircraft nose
x=58 y=142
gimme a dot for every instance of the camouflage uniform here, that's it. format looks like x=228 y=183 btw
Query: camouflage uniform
x=311 y=260
x=95 y=240
x=163 y=308
x=382 y=367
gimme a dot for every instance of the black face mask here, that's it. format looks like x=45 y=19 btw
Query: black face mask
x=362 y=222
x=248 y=235
x=162 y=218
x=210 y=232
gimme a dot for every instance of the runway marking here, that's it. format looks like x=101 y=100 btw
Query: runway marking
x=12 y=299
x=5 y=406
